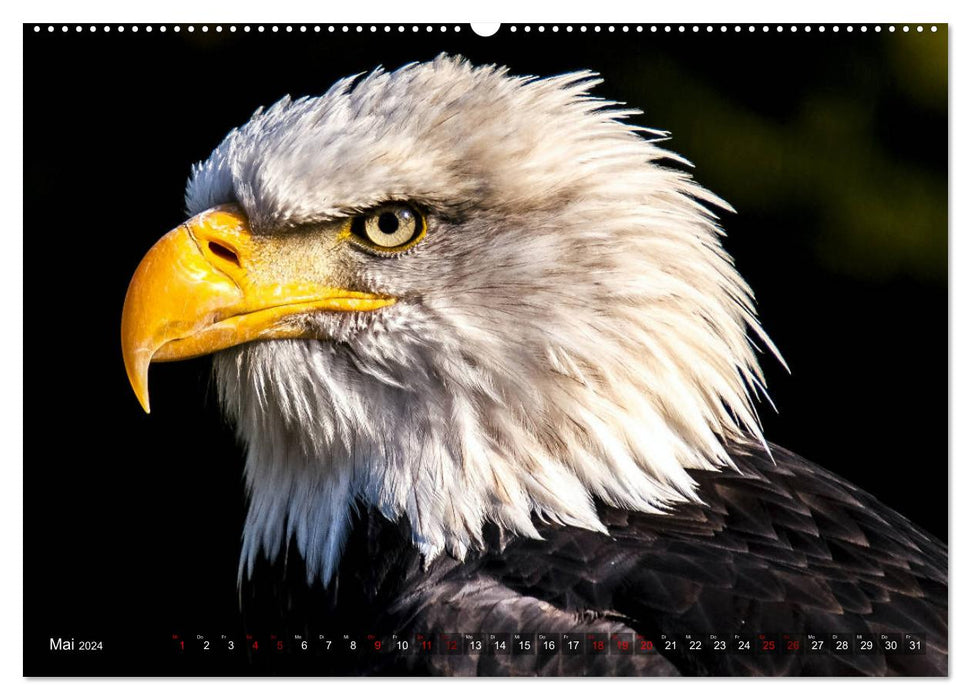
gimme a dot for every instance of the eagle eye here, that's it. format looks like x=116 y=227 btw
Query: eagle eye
x=390 y=227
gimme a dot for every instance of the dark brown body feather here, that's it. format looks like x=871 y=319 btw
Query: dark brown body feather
x=778 y=547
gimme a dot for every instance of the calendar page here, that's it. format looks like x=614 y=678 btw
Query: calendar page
x=518 y=350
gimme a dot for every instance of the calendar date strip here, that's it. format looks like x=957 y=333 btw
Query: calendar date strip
x=546 y=643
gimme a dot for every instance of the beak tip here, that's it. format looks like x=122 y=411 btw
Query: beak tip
x=136 y=366
x=141 y=393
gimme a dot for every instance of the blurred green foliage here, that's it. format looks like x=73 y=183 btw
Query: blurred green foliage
x=861 y=153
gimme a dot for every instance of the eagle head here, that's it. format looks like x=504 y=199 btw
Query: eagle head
x=457 y=297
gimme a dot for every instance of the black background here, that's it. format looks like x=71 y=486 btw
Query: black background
x=833 y=148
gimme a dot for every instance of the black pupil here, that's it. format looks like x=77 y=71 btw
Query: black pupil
x=388 y=222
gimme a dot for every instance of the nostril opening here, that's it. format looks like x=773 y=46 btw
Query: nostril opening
x=223 y=252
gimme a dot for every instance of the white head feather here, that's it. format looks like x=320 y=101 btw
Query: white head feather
x=570 y=328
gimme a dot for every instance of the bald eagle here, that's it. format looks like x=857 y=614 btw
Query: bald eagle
x=494 y=373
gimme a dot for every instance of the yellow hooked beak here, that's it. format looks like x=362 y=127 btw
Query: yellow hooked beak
x=200 y=289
